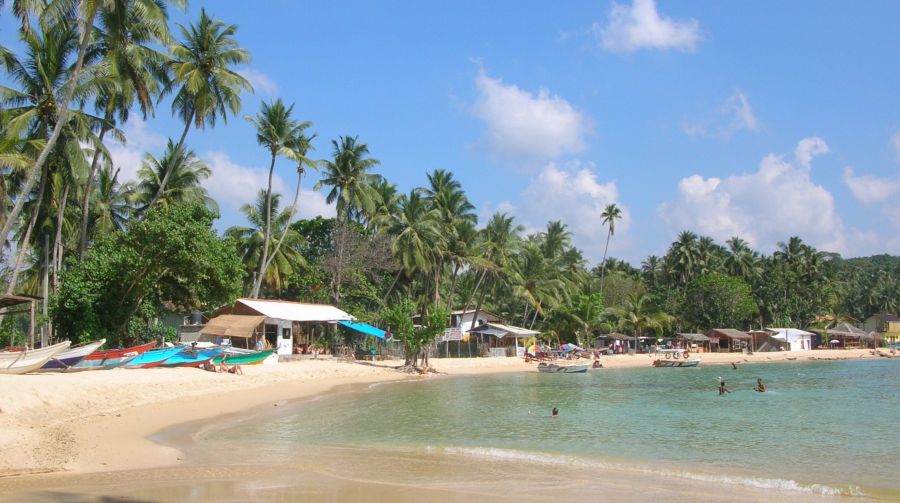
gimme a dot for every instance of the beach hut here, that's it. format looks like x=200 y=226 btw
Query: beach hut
x=796 y=339
x=847 y=335
x=885 y=325
x=762 y=341
x=276 y=324
x=616 y=342
x=728 y=339
x=503 y=340
x=694 y=342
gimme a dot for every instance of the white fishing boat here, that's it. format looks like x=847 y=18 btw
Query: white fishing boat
x=674 y=358
x=552 y=368
x=22 y=362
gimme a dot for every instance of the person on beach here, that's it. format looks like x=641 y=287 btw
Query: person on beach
x=722 y=388
x=759 y=385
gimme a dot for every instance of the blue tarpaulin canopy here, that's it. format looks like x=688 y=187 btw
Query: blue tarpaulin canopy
x=364 y=328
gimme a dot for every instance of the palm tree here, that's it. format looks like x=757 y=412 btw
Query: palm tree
x=610 y=214
x=250 y=240
x=134 y=71
x=209 y=89
x=112 y=206
x=66 y=13
x=296 y=148
x=534 y=281
x=274 y=129
x=185 y=172
x=445 y=195
x=684 y=256
x=416 y=235
x=741 y=260
x=387 y=204
x=638 y=315
x=347 y=173
x=500 y=239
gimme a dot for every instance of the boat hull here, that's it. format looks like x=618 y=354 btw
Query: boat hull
x=112 y=358
x=22 y=362
x=676 y=363
x=72 y=356
x=152 y=358
x=243 y=359
x=553 y=368
x=192 y=358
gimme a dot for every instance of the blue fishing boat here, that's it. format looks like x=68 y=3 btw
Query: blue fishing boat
x=192 y=357
x=153 y=358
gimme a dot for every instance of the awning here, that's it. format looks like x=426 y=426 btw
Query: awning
x=232 y=325
x=505 y=330
x=295 y=311
x=364 y=328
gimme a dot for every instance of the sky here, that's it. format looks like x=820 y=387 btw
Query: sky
x=762 y=119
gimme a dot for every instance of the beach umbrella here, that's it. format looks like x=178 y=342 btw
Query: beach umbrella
x=570 y=347
x=835 y=341
x=534 y=349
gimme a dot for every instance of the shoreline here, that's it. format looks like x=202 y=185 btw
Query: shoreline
x=104 y=420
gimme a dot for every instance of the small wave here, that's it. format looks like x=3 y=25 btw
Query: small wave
x=493 y=453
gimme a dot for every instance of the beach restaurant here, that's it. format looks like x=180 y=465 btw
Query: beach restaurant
x=503 y=340
x=728 y=339
x=280 y=324
x=694 y=342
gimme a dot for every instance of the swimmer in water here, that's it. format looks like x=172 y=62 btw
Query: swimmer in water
x=554 y=413
x=759 y=385
x=722 y=388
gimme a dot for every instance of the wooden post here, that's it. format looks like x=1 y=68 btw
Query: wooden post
x=31 y=324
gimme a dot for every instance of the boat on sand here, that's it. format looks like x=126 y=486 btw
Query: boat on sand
x=72 y=356
x=112 y=358
x=22 y=362
x=192 y=357
x=153 y=358
x=254 y=358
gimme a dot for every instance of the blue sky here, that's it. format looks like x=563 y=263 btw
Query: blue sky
x=759 y=119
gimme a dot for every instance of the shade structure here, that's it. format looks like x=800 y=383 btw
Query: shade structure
x=232 y=325
x=364 y=328
x=295 y=311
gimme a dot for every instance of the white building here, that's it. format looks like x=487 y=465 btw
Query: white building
x=797 y=340
x=465 y=320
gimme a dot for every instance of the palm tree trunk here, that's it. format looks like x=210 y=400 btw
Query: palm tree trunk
x=393 y=284
x=267 y=232
x=168 y=173
x=57 y=240
x=88 y=185
x=86 y=33
x=533 y=319
x=453 y=287
x=474 y=291
x=603 y=264
x=288 y=224
x=478 y=307
x=20 y=257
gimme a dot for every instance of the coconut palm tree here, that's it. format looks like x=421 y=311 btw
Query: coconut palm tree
x=741 y=261
x=274 y=129
x=610 y=214
x=133 y=72
x=208 y=87
x=445 y=195
x=68 y=14
x=684 y=257
x=387 y=204
x=250 y=241
x=638 y=315
x=347 y=173
x=185 y=172
x=416 y=235
x=112 y=201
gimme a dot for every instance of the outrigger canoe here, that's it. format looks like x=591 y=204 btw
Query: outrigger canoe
x=192 y=357
x=153 y=358
x=22 y=362
x=112 y=358
x=72 y=356
x=552 y=368
x=243 y=359
x=674 y=358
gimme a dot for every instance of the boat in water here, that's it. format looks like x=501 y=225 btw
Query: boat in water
x=674 y=358
x=552 y=368
x=153 y=358
x=112 y=358
x=22 y=362
x=73 y=355
x=253 y=358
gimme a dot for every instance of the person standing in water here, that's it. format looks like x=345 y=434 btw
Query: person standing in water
x=554 y=413
x=722 y=388
x=759 y=385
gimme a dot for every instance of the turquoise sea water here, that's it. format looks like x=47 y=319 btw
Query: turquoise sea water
x=825 y=427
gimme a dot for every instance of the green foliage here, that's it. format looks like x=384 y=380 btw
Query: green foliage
x=171 y=256
x=718 y=301
x=414 y=339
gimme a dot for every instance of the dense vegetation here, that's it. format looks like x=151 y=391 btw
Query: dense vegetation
x=117 y=255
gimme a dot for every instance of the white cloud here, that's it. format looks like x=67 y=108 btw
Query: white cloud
x=574 y=194
x=764 y=207
x=868 y=189
x=640 y=26
x=733 y=115
x=233 y=185
x=526 y=126
x=128 y=157
x=260 y=81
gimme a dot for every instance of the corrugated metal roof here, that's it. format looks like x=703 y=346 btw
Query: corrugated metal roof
x=295 y=311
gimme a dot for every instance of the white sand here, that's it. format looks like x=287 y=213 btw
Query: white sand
x=100 y=420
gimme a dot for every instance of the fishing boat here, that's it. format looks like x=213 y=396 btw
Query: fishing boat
x=22 y=362
x=674 y=358
x=552 y=368
x=112 y=358
x=253 y=358
x=72 y=356
x=192 y=357
x=153 y=358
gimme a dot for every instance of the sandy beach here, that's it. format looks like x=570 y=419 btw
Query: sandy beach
x=95 y=422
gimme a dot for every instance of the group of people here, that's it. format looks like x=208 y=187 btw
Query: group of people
x=223 y=367
x=760 y=386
